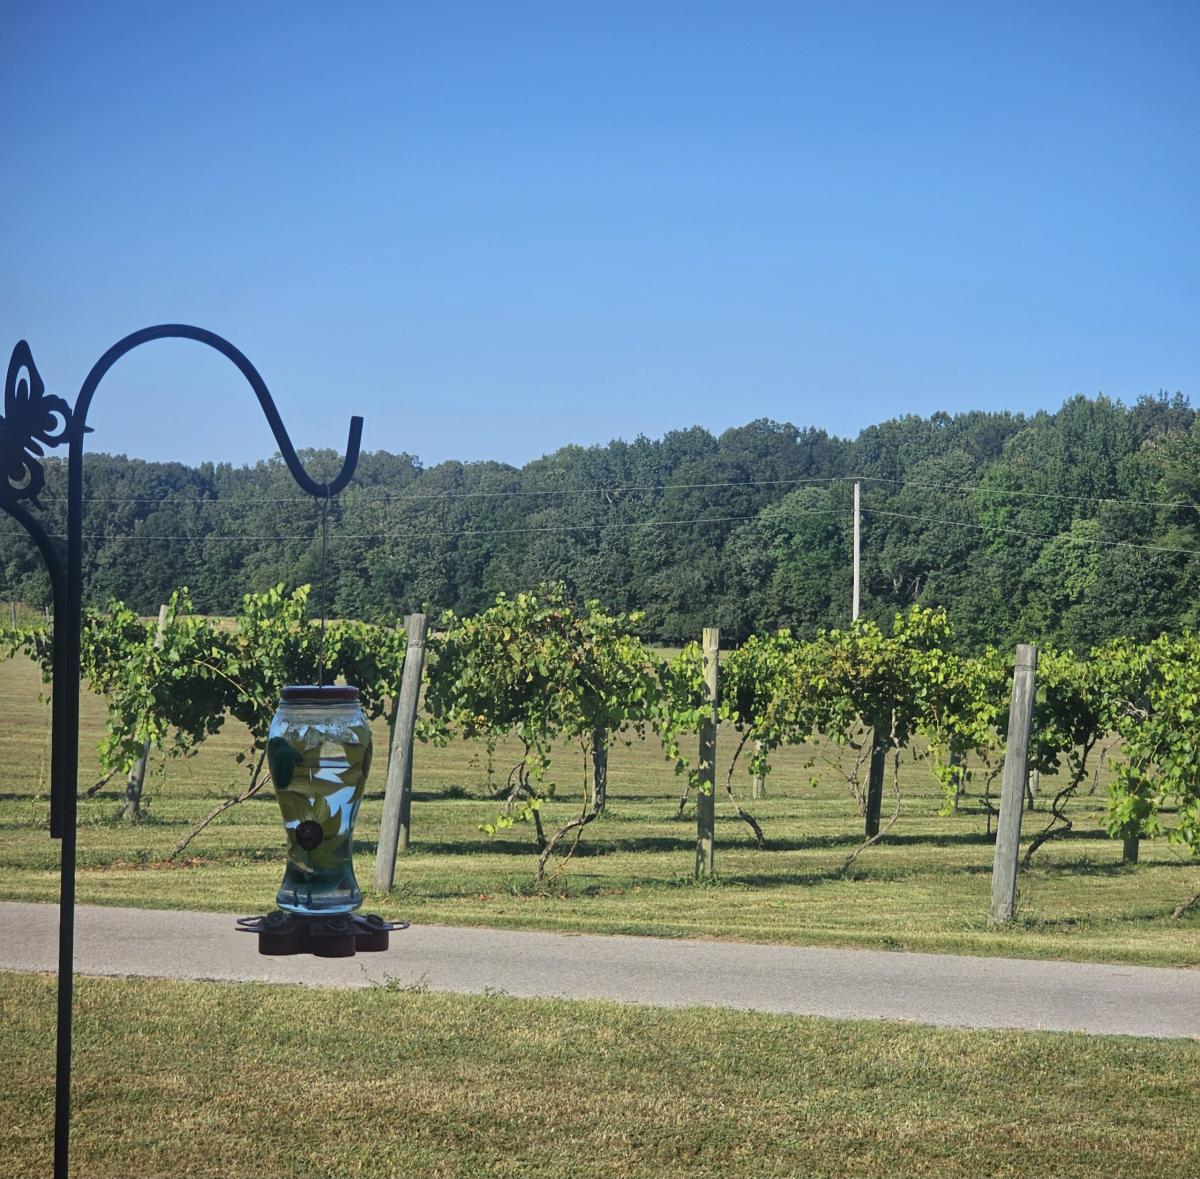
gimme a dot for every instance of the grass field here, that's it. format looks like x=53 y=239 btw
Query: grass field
x=205 y=1079
x=925 y=888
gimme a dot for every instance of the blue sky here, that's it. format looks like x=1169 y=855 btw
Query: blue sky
x=494 y=229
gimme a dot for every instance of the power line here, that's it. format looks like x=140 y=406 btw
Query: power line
x=1145 y=503
x=364 y=497
x=456 y=532
x=610 y=525
x=395 y=497
x=1125 y=544
x=656 y=487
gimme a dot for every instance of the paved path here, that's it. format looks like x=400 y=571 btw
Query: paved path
x=854 y=984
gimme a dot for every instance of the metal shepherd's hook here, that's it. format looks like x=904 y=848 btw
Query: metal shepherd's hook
x=32 y=421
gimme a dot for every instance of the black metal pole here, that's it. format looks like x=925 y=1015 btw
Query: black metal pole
x=68 y=688
x=26 y=427
x=66 y=987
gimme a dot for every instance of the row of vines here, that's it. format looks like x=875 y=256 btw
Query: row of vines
x=545 y=671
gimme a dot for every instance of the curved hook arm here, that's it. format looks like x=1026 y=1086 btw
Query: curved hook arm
x=185 y=331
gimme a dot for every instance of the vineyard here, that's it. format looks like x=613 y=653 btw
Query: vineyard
x=551 y=739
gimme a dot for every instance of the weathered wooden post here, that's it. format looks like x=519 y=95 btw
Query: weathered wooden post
x=957 y=775
x=599 y=770
x=880 y=739
x=136 y=778
x=1012 y=792
x=706 y=796
x=395 y=709
x=397 y=798
x=760 y=780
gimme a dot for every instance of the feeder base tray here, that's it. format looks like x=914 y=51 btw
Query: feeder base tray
x=340 y=936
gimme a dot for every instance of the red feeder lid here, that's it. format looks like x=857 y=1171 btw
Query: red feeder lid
x=318 y=694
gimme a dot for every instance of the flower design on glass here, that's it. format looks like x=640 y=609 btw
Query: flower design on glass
x=310 y=834
x=28 y=424
x=314 y=840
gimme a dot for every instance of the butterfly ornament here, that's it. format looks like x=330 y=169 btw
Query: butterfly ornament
x=33 y=419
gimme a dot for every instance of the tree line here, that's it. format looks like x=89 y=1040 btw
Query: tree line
x=1071 y=527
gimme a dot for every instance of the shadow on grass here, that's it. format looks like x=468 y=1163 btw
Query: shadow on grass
x=116 y=822
x=852 y=839
x=1089 y=867
x=767 y=881
x=572 y=887
x=446 y=794
x=1031 y=827
x=684 y=842
x=527 y=847
x=1083 y=866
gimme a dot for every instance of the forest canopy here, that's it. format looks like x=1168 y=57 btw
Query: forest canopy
x=1070 y=527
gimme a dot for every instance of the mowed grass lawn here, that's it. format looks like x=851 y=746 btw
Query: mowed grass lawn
x=926 y=887
x=207 y=1079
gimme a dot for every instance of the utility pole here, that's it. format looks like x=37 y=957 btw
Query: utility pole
x=857 y=548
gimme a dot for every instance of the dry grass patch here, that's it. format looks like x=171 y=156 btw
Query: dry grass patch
x=228 y=1080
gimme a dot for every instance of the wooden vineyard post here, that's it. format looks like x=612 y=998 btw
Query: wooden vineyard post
x=395 y=709
x=957 y=772
x=599 y=771
x=706 y=796
x=1012 y=792
x=397 y=798
x=879 y=750
x=760 y=780
x=410 y=693
x=137 y=774
x=1130 y=847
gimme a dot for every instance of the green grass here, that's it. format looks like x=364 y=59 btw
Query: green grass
x=925 y=888
x=208 y=1079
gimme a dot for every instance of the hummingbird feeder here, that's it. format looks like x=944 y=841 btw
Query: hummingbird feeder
x=319 y=754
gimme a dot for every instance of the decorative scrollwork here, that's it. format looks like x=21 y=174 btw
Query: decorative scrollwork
x=28 y=425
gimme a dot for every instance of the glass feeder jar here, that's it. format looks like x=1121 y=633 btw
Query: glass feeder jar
x=319 y=751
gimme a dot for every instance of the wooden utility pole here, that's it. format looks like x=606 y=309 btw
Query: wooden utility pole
x=857 y=550
x=397 y=798
x=136 y=778
x=1012 y=792
x=706 y=796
